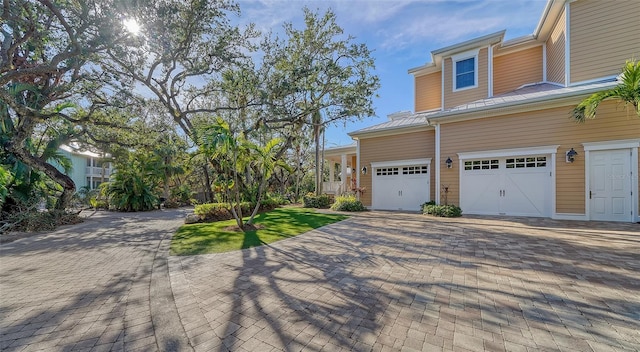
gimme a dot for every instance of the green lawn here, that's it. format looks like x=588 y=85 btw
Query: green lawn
x=278 y=224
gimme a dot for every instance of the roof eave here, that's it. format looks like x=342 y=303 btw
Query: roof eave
x=390 y=131
x=514 y=107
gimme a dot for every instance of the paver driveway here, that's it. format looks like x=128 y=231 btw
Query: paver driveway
x=378 y=281
x=87 y=287
x=390 y=282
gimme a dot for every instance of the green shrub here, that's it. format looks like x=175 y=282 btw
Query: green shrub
x=131 y=192
x=446 y=211
x=279 y=199
x=348 y=203
x=431 y=202
x=312 y=201
x=182 y=195
x=172 y=204
x=268 y=204
x=210 y=212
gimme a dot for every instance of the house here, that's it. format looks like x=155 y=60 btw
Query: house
x=491 y=128
x=88 y=168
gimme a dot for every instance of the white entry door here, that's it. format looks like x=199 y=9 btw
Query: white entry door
x=400 y=187
x=610 y=185
x=518 y=186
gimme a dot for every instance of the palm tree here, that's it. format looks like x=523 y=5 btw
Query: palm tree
x=220 y=143
x=265 y=161
x=627 y=91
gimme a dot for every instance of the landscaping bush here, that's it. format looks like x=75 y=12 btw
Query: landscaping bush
x=172 y=204
x=446 y=211
x=348 y=203
x=268 y=204
x=312 y=201
x=210 y=212
x=431 y=202
x=279 y=199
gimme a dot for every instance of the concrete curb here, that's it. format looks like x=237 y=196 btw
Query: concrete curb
x=169 y=331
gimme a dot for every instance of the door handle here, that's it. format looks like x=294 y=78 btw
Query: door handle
x=589 y=194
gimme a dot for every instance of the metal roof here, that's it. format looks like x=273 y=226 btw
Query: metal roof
x=521 y=96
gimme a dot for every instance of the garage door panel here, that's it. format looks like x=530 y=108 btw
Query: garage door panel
x=480 y=193
x=525 y=194
x=400 y=187
x=519 y=186
x=415 y=192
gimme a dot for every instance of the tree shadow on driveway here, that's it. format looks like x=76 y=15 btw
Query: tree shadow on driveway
x=411 y=281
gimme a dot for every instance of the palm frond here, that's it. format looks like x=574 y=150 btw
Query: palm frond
x=627 y=91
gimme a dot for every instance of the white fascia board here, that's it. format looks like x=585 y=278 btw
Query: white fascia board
x=390 y=131
x=619 y=144
x=500 y=153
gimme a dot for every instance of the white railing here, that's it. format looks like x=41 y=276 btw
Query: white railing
x=97 y=171
x=332 y=187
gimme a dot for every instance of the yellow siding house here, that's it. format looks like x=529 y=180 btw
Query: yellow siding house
x=492 y=133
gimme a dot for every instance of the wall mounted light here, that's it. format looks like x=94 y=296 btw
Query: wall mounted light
x=364 y=170
x=571 y=155
x=449 y=163
x=348 y=170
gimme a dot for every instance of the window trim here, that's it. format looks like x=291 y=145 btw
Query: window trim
x=461 y=57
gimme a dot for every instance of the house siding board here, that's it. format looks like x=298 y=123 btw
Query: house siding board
x=604 y=34
x=428 y=91
x=414 y=145
x=539 y=128
x=555 y=52
x=78 y=172
x=514 y=70
x=452 y=98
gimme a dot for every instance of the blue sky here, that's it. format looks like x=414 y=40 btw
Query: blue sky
x=402 y=35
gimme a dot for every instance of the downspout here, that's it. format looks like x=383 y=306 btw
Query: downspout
x=356 y=173
x=437 y=162
x=567 y=45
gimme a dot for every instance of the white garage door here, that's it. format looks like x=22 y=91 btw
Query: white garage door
x=518 y=186
x=400 y=187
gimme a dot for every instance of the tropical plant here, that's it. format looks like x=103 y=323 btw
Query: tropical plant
x=627 y=91
x=5 y=178
x=130 y=191
x=133 y=187
x=264 y=162
x=227 y=153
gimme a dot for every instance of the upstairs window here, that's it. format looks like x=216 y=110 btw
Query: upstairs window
x=465 y=70
x=465 y=73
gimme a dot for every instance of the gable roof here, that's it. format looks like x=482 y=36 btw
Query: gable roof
x=549 y=16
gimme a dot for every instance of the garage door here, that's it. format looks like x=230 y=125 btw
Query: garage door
x=518 y=186
x=402 y=187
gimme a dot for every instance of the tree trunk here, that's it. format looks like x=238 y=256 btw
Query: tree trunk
x=257 y=207
x=68 y=186
x=208 y=191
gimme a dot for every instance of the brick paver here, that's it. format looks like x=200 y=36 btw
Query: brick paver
x=399 y=282
x=83 y=287
x=376 y=282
